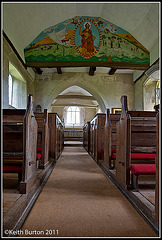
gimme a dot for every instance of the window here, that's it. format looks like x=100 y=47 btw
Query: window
x=73 y=115
x=10 y=84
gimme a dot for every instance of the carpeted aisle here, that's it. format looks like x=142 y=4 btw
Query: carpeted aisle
x=79 y=200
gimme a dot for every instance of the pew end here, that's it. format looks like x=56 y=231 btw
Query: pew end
x=19 y=145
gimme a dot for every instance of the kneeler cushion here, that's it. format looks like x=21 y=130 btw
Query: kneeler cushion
x=143 y=156
x=38 y=156
x=113 y=156
x=40 y=149
x=140 y=156
x=143 y=169
x=12 y=169
x=113 y=150
x=5 y=157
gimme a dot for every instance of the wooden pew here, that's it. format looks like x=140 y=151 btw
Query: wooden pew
x=97 y=136
x=110 y=138
x=56 y=135
x=43 y=138
x=59 y=136
x=157 y=168
x=136 y=141
x=19 y=144
x=86 y=136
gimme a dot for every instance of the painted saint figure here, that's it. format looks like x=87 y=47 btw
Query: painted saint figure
x=87 y=39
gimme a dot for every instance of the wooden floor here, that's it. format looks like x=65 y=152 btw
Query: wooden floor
x=146 y=188
x=146 y=192
x=10 y=191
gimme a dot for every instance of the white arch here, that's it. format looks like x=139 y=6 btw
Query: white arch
x=93 y=92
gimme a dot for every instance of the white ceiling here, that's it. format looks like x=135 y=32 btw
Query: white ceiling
x=23 y=21
x=75 y=96
x=75 y=89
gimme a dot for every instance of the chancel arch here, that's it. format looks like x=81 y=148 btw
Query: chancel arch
x=76 y=95
x=89 y=89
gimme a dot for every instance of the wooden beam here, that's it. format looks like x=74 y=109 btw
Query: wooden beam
x=38 y=70
x=59 y=71
x=116 y=65
x=112 y=71
x=92 y=70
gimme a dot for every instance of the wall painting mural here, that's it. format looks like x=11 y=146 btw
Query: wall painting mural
x=86 y=39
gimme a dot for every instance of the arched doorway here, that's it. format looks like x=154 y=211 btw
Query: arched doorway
x=75 y=106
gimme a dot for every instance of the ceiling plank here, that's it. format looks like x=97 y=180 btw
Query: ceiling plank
x=38 y=70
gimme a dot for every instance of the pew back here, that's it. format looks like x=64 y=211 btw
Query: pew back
x=86 y=136
x=97 y=136
x=114 y=118
x=110 y=138
x=19 y=142
x=56 y=135
x=136 y=132
x=43 y=137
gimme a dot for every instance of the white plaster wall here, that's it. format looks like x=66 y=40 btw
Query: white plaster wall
x=106 y=89
x=4 y=92
x=139 y=95
x=149 y=96
x=89 y=114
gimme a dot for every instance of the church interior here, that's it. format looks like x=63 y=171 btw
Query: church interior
x=80 y=119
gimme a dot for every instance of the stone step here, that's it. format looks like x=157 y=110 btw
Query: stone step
x=73 y=144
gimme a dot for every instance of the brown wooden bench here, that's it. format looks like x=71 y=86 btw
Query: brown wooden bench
x=86 y=136
x=56 y=135
x=97 y=136
x=19 y=144
x=43 y=138
x=157 y=168
x=136 y=141
x=110 y=139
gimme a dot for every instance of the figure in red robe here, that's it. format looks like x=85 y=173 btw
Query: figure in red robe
x=87 y=38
